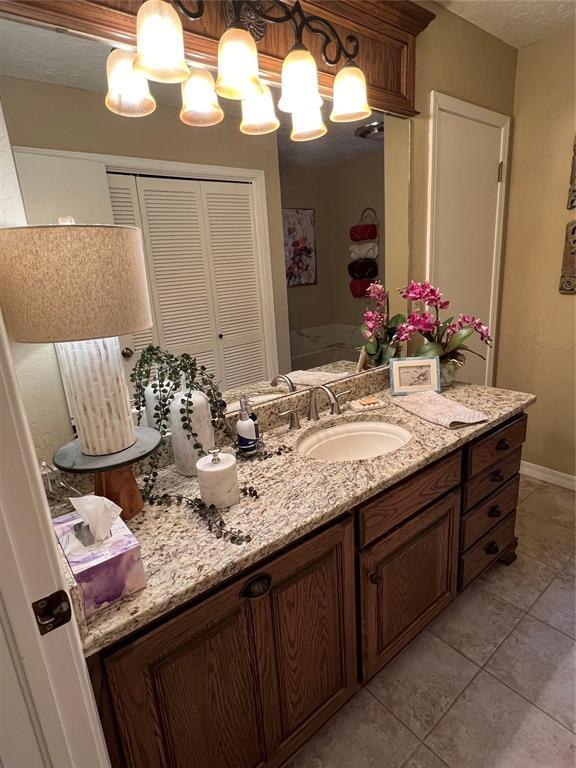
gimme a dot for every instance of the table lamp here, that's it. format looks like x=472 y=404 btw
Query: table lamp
x=80 y=286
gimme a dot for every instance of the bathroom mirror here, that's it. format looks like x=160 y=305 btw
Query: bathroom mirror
x=250 y=260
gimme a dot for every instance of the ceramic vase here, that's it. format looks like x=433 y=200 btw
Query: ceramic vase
x=185 y=455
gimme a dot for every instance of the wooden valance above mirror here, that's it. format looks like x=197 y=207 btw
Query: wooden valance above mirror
x=386 y=30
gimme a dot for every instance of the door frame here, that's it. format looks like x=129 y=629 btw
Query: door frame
x=49 y=674
x=255 y=177
x=440 y=102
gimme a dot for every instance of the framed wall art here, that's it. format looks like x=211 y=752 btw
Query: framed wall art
x=299 y=246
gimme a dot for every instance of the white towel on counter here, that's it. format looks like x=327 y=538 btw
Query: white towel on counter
x=439 y=409
x=315 y=378
x=363 y=251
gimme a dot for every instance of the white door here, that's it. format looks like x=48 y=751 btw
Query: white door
x=204 y=272
x=468 y=160
x=48 y=717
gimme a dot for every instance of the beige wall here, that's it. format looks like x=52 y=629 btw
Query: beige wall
x=338 y=194
x=56 y=117
x=460 y=60
x=537 y=330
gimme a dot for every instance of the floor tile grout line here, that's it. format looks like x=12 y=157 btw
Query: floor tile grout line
x=551 y=626
x=395 y=716
x=532 y=703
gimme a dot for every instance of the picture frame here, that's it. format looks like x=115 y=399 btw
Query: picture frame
x=299 y=246
x=414 y=374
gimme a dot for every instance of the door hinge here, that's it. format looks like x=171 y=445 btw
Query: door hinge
x=52 y=611
x=500 y=170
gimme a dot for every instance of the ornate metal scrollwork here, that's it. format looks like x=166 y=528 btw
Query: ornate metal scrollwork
x=254 y=15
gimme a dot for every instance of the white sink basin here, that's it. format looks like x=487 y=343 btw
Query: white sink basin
x=354 y=440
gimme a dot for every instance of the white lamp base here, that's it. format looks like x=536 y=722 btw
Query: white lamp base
x=93 y=377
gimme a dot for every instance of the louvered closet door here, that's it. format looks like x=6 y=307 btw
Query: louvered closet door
x=126 y=212
x=178 y=265
x=230 y=229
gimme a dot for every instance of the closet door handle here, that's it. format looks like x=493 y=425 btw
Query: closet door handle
x=127 y=353
x=220 y=335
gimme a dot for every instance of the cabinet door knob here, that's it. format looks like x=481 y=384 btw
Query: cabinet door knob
x=492 y=548
x=373 y=577
x=502 y=445
x=127 y=353
x=495 y=511
x=257 y=586
x=497 y=476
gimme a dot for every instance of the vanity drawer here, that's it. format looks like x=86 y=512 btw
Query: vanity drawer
x=489 y=513
x=489 y=548
x=490 y=479
x=399 y=503
x=496 y=446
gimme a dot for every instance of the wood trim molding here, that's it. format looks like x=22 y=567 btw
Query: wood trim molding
x=387 y=31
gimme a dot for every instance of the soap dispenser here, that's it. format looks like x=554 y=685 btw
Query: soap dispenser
x=247 y=429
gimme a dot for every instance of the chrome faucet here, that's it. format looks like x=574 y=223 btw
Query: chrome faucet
x=282 y=377
x=334 y=402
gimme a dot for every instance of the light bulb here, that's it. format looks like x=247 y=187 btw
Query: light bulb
x=237 y=65
x=307 y=124
x=128 y=93
x=199 y=101
x=350 y=99
x=160 y=43
x=299 y=81
x=258 y=114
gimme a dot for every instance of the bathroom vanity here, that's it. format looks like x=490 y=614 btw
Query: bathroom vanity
x=235 y=655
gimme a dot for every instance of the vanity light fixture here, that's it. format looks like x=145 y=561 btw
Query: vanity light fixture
x=128 y=92
x=237 y=65
x=200 y=107
x=258 y=114
x=307 y=124
x=350 y=98
x=160 y=57
x=160 y=43
x=299 y=81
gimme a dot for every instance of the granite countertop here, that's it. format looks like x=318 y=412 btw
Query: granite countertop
x=182 y=559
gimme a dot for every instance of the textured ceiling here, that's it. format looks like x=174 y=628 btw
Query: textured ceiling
x=517 y=22
x=35 y=53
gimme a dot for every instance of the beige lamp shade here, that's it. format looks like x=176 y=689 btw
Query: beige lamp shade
x=350 y=99
x=73 y=282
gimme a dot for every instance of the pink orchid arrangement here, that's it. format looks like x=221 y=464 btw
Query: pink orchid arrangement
x=378 y=328
x=446 y=338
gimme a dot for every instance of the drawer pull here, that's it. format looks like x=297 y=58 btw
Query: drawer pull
x=503 y=445
x=257 y=586
x=492 y=548
x=497 y=476
x=373 y=577
x=495 y=511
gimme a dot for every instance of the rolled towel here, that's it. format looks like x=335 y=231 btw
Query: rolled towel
x=362 y=269
x=363 y=251
x=358 y=288
x=315 y=378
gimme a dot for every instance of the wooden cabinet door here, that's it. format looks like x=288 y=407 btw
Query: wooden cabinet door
x=406 y=579
x=186 y=695
x=305 y=628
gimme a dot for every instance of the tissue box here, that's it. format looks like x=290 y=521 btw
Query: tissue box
x=105 y=572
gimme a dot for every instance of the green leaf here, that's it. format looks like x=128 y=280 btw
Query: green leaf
x=467 y=349
x=388 y=353
x=430 y=349
x=372 y=346
x=442 y=327
x=458 y=339
x=397 y=320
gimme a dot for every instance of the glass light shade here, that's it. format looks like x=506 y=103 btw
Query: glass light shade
x=237 y=65
x=307 y=124
x=200 y=106
x=258 y=114
x=299 y=82
x=350 y=98
x=160 y=43
x=128 y=93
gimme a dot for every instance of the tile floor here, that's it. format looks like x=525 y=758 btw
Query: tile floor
x=492 y=682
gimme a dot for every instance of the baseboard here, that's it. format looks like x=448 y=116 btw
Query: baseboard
x=548 y=475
